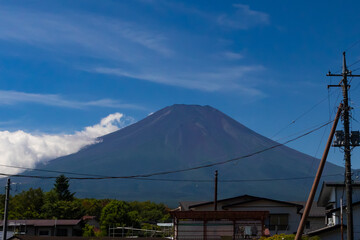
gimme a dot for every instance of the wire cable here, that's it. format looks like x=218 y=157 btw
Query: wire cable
x=184 y=169
x=352 y=45
x=183 y=180
x=300 y=116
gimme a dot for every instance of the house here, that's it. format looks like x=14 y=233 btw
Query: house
x=275 y=216
x=315 y=219
x=331 y=195
x=46 y=227
x=218 y=224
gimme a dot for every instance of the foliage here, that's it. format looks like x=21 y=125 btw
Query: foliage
x=288 y=237
x=88 y=231
x=93 y=207
x=60 y=203
x=61 y=187
x=27 y=204
x=115 y=214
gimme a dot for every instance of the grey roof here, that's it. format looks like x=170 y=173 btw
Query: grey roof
x=325 y=229
x=187 y=205
x=315 y=211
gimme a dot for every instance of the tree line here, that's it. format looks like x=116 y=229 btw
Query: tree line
x=60 y=203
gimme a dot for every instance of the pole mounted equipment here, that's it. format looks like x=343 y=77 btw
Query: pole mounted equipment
x=346 y=140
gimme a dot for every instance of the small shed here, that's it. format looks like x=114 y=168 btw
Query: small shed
x=218 y=225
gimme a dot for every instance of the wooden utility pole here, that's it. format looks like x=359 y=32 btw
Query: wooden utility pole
x=6 y=210
x=347 y=145
x=216 y=190
x=318 y=176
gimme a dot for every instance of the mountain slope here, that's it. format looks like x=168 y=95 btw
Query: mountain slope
x=182 y=136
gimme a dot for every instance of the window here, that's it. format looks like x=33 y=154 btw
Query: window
x=44 y=233
x=61 y=232
x=307 y=225
x=279 y=222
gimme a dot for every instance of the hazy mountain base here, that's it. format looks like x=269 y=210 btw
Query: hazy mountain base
x=182 y=136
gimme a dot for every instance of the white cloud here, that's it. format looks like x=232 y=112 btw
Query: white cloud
x=14 y=97
x=232 y=55
x=134 y=50
x=231 y=78
x=244 y=18
x=24 y=149
x=90 y=34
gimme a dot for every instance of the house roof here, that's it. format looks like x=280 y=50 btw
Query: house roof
x=344 y=207
x=236 y=202
x=186 y=204
x=315 y=210
x=27 y=237
x=326 y=190
x=325 y=229
x=43 y=222
x=216 y=215
x=203 y=203
x=253 y=199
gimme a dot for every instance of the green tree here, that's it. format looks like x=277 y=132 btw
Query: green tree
x=61 y=188
x=93 y=207
x=27 y=204
x=115 y=214
x=88 y=231
x=288 y=237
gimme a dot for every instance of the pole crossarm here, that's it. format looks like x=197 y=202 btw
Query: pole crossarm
x=347 y=145
x=341 y=75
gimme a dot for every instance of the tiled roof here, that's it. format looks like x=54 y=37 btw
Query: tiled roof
x=26 y=237
x=315 y=211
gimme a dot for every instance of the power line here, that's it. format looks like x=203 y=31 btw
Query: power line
x=352 y=45
x=183 y=180
x=52 y=171
x=301 y=115
x=179 y=170
x=354 y=63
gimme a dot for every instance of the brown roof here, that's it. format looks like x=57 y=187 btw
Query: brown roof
x=44 y=222
x=212 y=215
x=26 y=237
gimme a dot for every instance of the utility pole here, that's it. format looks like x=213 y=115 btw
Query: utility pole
x=6 y=210
x=318 y=176
x=216 y=190
x=346 y=143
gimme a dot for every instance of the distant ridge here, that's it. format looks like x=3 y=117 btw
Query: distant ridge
x=182 y=136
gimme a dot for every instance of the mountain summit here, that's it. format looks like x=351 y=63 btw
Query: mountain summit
x=182 y=136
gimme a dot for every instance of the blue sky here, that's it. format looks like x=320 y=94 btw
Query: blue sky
x=65 y=65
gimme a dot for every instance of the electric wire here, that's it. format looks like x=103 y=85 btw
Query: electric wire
x=184 y=180
x=178 y=170
x=352 y=45
x=354 y=63
x=300 y=116
x=51 y=171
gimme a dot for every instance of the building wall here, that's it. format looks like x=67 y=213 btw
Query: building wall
x=273 y=208
x=315 y=223
x=333 y=235
x=217 y=230
x=356 y=221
